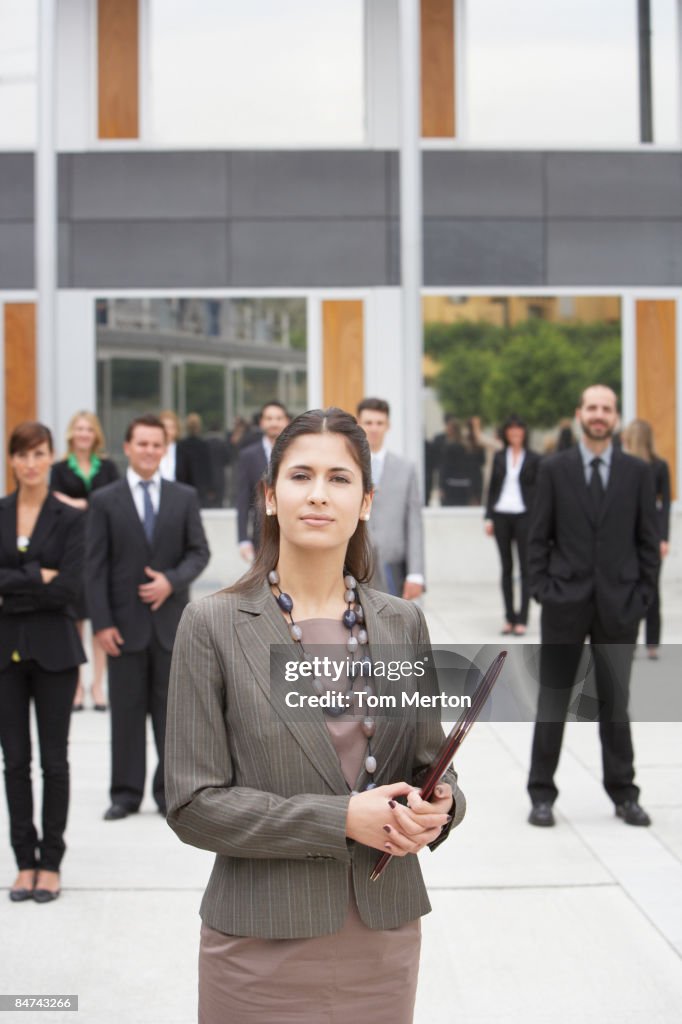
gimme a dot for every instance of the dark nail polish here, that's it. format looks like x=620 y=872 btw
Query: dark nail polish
x=449 y=818
x=388 y=846
x=392 y=804
x=387 y=828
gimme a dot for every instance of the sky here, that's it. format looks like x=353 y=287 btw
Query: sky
x=262 y=72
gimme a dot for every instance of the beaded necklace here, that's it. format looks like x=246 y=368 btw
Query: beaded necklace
x=360 y=665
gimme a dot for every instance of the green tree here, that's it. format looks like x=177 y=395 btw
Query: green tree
x=536 y=368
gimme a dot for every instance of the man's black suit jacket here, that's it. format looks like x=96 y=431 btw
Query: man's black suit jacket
x=251 y=466
x=38 y=619
x=117 y=552
x=576 y=556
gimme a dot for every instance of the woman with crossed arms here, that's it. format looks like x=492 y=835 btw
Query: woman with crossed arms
x=41 y=565
x=297 y=810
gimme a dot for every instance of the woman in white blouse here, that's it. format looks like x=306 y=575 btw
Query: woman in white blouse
x=507 y=514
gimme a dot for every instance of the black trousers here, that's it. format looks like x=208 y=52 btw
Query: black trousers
x=510 y=528
x=138 y=686
x=652 y=623
x=562 y=646
x=52 y=694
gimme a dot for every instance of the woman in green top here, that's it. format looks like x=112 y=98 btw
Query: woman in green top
x=84 y=469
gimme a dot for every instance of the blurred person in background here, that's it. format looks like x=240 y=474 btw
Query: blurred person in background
x=396 y=529
x=169 y=463
x=473 y=442
x=454 y=479
x=592 y=562
x=194 y=460
x=41 y=576
x=507 y=514
x=638 y=439
x=251 y=467
x=83 y=470
x=145 y=545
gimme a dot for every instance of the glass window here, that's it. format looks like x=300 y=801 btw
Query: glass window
x=18 y=69
x=221 y=358
x=565 y=72
x=266 y=72
x=488 y=356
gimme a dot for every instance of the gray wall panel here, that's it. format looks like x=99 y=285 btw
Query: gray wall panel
x=475 y=184
x=323 y=252
x=614 y=252
x=16 y=186
x=64 y=255
x=149 y=186
x=149 y=254
x=483 y=252
x=614 y=184
x=309 y=184
x=16 y=255
x=259 y=218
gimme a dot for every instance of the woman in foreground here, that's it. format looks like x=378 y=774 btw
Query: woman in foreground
x=41 y=566
x=299 y=809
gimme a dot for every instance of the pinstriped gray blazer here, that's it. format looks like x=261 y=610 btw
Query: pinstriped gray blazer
x=265 y=792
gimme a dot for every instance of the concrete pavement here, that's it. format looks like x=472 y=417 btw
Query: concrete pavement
x=582 y=922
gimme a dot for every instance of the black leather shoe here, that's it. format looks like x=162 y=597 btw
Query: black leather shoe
x=45 y=895
x=542 y=815
x=632 y=813
x=20 y=895
x=116 y=812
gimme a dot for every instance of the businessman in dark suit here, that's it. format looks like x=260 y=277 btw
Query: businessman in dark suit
x=145 y=545
x=592 y=563
x=252 y=463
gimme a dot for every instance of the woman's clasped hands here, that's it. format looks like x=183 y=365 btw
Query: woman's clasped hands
x=375 y=818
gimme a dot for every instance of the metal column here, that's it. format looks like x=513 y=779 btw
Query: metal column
x=46 y=216
x=411 y=228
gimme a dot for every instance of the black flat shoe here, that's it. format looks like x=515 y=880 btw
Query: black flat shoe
x=21 y=895
x=45 y=895
x=101 y=707
x=116 y=812
x=632 y=814
x=541 y=815
x=77 y=707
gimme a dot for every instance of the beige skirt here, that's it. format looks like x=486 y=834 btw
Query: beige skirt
x=354 y=974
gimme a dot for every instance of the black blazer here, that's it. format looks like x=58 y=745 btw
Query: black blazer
x=527 y=480
x=193 y=465
x=117 y=551
x=251 y=466
x=661 y=475
x=38 y=619
x=574 y=556
x=65 y=480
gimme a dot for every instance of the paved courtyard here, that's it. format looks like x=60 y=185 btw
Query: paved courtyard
x=580 y=923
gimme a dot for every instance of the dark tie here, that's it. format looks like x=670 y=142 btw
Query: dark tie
x=596 y=485
x=149 y=514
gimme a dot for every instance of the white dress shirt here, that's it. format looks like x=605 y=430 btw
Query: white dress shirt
x=137 y=492
x=511 y=499
x=167 y=467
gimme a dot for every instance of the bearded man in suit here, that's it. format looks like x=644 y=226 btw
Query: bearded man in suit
x=396 y=524
x=592 y=564
x=145 y=544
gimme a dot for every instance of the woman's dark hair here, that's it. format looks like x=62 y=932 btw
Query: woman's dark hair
x=513 y=421
x=29 y=435
x=359 y=562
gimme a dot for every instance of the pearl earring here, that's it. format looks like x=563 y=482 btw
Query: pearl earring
x=365 y=516
x=269 y=511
